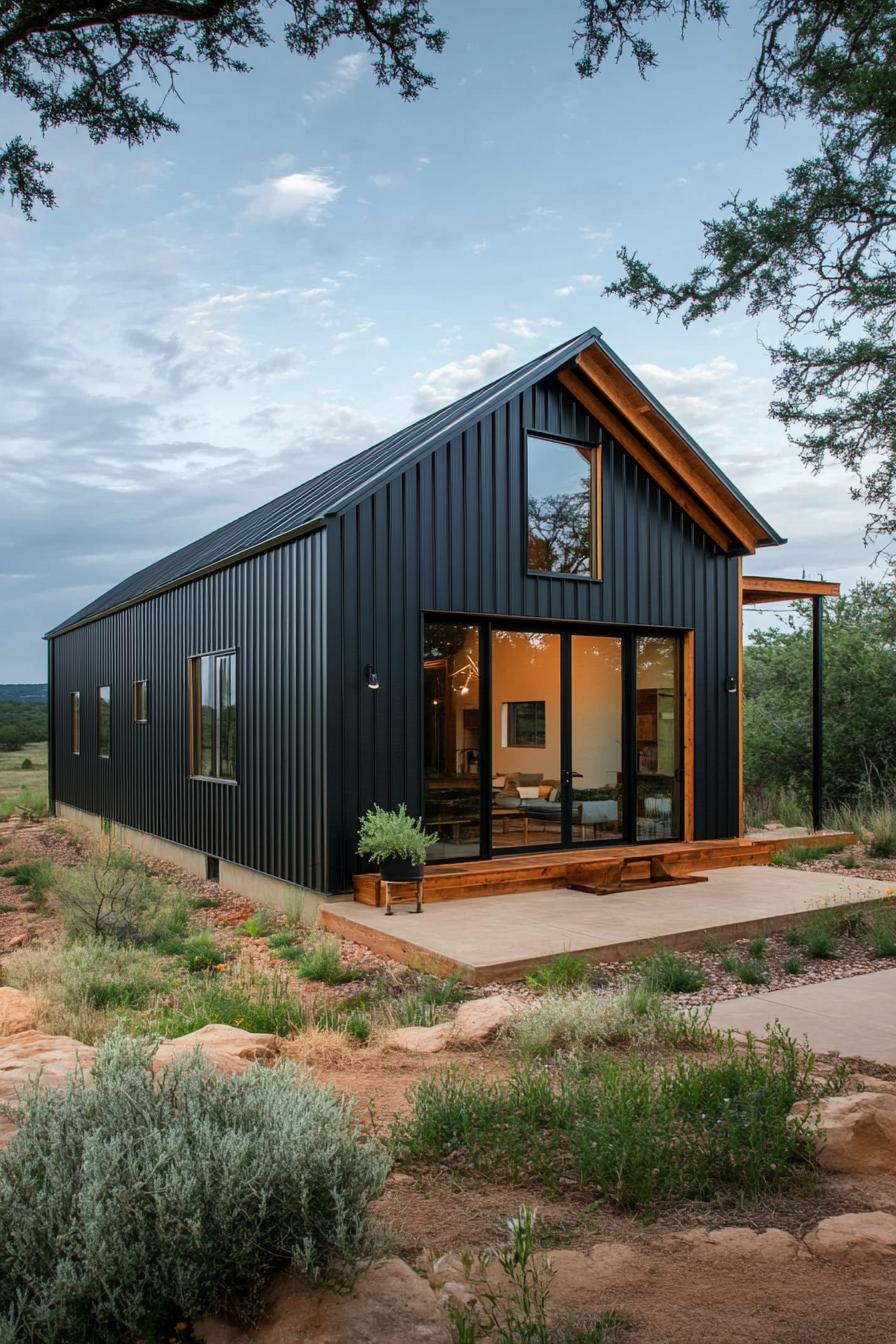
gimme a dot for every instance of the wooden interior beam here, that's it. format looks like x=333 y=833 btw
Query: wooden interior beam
x=676 y=455
x=755 y=589
x=627 y=439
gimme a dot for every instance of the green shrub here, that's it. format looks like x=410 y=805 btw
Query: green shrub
x=785 y=804
x=668 y=972
x=749 y=971
x=756 y=949
x=139 y=1202
x=627 y=1132
x=27 y=764
x=38 y=875
x=254 y=1002
x=386 y=835
x=817 y=940
x=881 y=822
x=563 y=972
x=283 y=938
x=258 y=925
x=201 y=952
x=849 y=861
x=580 y=1021
x=410 y=1011
x=793 y=966
x=785 y=858
x=321 y=960
x=84 y=986
x=110 y=896
x=794 y=937
x=356 y=1025
x=30 y=802
x=433 y=990
x=882 y=932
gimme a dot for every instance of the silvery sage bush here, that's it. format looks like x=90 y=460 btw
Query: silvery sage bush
x=136 y=1202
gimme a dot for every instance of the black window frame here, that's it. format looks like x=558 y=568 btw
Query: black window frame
x=512 y=708
x=135 y=717
x=102 y=719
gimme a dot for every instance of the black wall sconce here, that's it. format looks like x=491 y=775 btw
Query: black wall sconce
x=373 y=681
x=731 y=685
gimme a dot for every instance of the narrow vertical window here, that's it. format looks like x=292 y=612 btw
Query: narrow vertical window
x=75 y=721
x=212 y=698
x=103 y=721
x=562 y=507
x=138 y=702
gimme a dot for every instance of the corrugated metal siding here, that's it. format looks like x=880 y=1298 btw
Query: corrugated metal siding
x=447 y=535
x=271 y=610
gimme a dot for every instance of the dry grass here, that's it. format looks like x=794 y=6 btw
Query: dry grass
x=321 y=1046
x=13 y=779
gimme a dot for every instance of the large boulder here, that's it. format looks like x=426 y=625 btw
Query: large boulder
x=18 y=1011
x=419 y=1040
x=737 y=1243
x=478 y=1020
x=387 y=1302
x=856 y=1134
x=228 y=1049
x=31 y=1054
x=854 y=1236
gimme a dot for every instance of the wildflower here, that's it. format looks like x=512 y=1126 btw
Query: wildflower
x=221 y=966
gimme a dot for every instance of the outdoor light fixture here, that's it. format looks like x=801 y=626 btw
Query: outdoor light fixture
x=731 y=685
x=373 y=681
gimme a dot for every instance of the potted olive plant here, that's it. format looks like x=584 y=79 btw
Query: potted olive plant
x=396 y=842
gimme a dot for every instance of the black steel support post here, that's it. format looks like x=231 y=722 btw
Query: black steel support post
x=817 y=711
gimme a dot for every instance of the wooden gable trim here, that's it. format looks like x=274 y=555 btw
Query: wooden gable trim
x=628 y=440
x=753 y=589
x=669 y=448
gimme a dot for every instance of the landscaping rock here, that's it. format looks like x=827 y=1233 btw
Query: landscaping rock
x=30 y=1054
x=854 y=1236
x=227 y=1049
x=870 y=1084
x=857 y=1134
x=18 y=1011
x=479 y=1020
x=772 y=1244
x=419 y=1040
x=387 y=1302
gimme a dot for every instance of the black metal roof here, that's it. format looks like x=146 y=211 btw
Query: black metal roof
x=306 y=507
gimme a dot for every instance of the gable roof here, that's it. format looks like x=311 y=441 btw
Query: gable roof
x=306 y=507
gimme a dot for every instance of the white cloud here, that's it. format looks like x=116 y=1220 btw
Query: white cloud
x=382 y=181
x=339 y=81
x=477 y=248
x=715 y=370
x=565 y=291
x=448 y=382
x=524 y=328
x=294 y=196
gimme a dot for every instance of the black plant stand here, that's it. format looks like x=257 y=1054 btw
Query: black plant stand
x=387 y=892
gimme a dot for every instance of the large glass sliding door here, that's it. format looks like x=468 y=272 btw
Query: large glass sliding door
x=451 y=746
x=540 y=739
x=597 y=796
x=658 y=737
x=526 y=729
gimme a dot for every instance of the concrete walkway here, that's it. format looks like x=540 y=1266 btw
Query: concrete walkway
x=497 y=937
x=855 y=1017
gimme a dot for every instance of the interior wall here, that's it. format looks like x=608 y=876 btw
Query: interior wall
x=526 y=667
x=596 y=711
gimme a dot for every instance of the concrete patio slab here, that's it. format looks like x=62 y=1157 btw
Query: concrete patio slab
x=493 y=938
x=855 y=1017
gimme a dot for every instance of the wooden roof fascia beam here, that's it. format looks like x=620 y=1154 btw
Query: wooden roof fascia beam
x=754 y=589
x=627 y=439
x=694 y=473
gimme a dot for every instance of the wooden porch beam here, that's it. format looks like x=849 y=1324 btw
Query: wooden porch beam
x=628 y=440
x=755 y=589
x=671 y=449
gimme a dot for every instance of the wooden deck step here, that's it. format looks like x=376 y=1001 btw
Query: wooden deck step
x=593 y=868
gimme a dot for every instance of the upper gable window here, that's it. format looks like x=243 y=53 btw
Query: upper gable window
x=563 y=492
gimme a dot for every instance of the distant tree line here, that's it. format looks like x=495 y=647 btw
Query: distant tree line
x=859 y=699
x=22 y=722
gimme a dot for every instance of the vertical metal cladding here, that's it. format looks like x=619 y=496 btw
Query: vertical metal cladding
x=272 y=610
x=447 y=534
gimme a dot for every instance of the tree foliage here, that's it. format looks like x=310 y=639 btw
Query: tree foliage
x=21 y=723
x=820 y=256
x=112 y=67
x=859 y=699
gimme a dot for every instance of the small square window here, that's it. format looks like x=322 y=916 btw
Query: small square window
x=139 y=702
x=524 y=723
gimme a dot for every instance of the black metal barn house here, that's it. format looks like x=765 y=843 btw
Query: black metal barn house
x=521 y=616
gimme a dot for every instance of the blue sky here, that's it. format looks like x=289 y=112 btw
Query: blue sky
x=311 y=263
